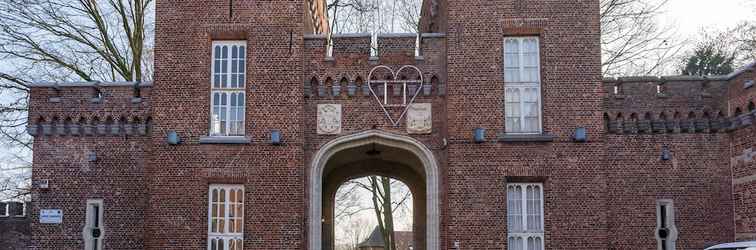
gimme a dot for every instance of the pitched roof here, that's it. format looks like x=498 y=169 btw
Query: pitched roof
x=374 y=240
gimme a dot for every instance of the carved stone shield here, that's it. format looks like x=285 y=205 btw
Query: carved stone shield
x=419 y=118
x=329 y=119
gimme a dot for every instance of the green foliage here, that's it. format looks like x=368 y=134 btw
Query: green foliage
x=708 y=59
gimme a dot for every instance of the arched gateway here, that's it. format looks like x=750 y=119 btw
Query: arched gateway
x=398 y=150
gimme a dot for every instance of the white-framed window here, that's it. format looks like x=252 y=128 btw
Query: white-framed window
x=522 y=85
x=94 y=225
x=666 y=231
x=525 y=216
x=13 y=209
x=228 y=83
x=225 y=222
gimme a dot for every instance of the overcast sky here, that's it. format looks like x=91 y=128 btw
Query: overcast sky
x=692 y=15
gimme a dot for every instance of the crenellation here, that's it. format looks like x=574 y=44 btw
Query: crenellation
x=703 y=100
x=353 y=48
x=69 y=109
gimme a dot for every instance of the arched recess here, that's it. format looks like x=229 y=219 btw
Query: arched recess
x=384 y=139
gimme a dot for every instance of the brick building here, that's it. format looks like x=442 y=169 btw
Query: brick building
x=499 y=122
x=15 y=225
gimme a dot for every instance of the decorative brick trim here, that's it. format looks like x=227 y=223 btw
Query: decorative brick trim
x=228 y=31
x=223 y=178
x=524 y=26
x=539 y=179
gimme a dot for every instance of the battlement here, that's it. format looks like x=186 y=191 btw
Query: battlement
x=654 y=93
x=679 y=104
x=400 y=48
x=345 y=72
x=89 y=109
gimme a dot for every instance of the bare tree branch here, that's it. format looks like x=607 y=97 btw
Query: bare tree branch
x=632 y=41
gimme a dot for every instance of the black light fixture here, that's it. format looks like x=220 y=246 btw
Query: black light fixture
x=665 y=153
x=173 y=138
x=479 y=135
x=275 y=137
x=373 y=152
x=92 y=156
x=580 y=135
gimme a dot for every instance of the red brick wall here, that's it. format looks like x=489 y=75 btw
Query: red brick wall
x=598 y=195
x=273 y=175
x=742 y=160
x=573 y=174
x=116 y=125
x=117 y=177
x=696 y=179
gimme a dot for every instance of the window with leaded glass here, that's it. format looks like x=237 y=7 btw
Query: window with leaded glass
x=522 y=85
x=228 y=88
x=225 y=217
x=525 y=216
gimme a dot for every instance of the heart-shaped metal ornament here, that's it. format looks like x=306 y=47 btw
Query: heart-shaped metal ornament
x=404 y=91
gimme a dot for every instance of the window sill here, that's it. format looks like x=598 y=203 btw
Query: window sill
x=526 y=138
x=225 y=140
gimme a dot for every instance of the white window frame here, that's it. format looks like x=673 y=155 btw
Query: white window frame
x=521 y=86
x=89 y=241
x=225 y=235
x=7 y=209
x=526 y=233
x=228 y=90
x=671 y=240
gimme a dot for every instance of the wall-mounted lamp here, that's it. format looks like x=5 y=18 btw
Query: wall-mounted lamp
x=92 y=156
x=275 y=137
x=479 y=135
x=173 y=138
x=665 y=155
x=580 y=135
